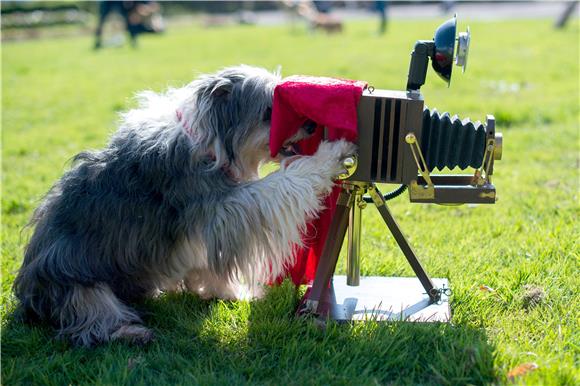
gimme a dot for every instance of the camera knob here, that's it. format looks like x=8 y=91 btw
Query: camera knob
x=348 y=163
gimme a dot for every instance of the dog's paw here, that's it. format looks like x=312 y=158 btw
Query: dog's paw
x=133 y=333
x=323 y=167
x=330 y=156
x=339 y=149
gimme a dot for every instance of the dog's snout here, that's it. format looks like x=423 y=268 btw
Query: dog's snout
x=309 y=126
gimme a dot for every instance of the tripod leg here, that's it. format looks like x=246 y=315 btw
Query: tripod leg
x=330 y=253
x=404 y=244
x=354 y=236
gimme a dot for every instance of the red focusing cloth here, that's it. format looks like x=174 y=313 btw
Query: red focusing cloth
x=331 y=103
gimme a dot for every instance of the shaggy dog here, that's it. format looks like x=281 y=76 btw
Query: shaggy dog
x=175 y=198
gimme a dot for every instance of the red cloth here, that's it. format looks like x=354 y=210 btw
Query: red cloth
x=331 y=103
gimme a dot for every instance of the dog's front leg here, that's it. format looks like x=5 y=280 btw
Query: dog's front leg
x=254 y=230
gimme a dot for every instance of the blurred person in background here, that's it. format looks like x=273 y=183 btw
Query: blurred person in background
x=381 y=9
x=139 y=17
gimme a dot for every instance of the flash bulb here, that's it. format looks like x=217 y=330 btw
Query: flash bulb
x=463 y=41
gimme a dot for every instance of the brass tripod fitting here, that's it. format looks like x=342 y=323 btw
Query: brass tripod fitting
x=349 y=164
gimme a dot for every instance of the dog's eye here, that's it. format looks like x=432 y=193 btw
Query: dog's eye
x=309 y=126
x=267 y=115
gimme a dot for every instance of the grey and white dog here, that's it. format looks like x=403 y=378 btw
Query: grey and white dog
x=173 y=201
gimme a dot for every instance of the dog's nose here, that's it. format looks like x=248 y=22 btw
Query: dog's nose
x=309 y=126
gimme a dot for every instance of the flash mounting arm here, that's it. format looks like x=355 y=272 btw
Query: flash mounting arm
x=423 y=50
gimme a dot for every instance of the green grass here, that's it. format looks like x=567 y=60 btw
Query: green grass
x=59 y=98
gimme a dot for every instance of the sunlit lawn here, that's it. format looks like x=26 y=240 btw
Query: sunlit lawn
x=59 y=97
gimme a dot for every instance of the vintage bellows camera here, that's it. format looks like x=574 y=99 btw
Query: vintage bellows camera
x=400 y=141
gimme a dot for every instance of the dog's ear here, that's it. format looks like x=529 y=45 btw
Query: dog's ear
x=220 y=87
x=215 y=114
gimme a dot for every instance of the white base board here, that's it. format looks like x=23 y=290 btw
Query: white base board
x=387 y=298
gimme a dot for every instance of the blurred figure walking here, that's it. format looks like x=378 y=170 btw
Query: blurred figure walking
x=381 y=8
x=139 y=17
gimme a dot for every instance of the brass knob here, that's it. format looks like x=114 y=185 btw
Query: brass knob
x=410 y=138
x=348 y=163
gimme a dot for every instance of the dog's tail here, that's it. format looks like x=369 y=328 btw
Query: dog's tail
x=39 y=285
x=46 y=272
x=84 y=314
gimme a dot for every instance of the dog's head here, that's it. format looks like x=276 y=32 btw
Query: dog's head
x=232 y=110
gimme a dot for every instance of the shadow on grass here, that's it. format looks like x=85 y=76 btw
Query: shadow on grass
x=366 y=353
x=200 y=342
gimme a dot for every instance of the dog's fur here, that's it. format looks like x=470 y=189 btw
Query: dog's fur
x=174 y=198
